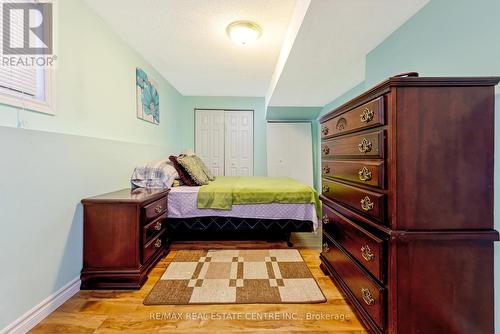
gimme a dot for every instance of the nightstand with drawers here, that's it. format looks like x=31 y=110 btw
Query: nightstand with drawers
x=407 y=170
x=124 y=236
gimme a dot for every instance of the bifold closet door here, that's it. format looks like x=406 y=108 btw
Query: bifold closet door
x=239 y=143
x=289 y=151
x=209 y=139
x=224 y=140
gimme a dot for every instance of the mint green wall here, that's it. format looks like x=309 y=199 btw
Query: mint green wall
x=353 y=92
x=95 y=85
x=186 y=123
x=90 y=146
x=445 y=38
x=292 y=113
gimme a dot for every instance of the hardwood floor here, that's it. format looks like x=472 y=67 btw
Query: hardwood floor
x=110 y=311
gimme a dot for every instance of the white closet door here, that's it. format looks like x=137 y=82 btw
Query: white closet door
x=289 y=151
x=239 y=143
x=209 y=143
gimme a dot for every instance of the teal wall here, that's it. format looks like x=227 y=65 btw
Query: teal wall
x=257 y=104
x=292 y=113
x=89 y=146
x=445 y=38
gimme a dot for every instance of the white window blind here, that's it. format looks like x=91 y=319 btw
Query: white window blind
x=19 y=79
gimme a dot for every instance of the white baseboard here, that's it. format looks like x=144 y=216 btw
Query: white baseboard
x=31 y=318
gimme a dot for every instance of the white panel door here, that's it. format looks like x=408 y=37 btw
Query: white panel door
x=289 y=151
x=209 y=139
x=239 y=143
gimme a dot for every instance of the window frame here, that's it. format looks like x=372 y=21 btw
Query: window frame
x=20 y=100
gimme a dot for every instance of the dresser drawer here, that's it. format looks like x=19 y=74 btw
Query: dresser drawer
x=366 y=145
x=156 y=244
x=151 y=229
x=370 y=173
x=155 y=209
x=368 y=115
x=365 y=247
x=368 y=293
x=367 y=202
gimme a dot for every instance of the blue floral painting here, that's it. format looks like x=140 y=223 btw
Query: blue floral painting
x=148 y=99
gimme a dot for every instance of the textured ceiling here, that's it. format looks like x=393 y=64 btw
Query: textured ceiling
x=185 y=40
x=322 y=51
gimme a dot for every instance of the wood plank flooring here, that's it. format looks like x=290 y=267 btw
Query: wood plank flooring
x=110 y=311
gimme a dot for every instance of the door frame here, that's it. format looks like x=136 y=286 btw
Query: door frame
x=228 y=110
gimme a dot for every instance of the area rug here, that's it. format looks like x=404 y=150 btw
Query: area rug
x=272 y=276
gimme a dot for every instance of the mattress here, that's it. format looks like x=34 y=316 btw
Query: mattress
x=182 y=203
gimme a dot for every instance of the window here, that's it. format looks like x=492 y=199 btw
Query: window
x=27 y=87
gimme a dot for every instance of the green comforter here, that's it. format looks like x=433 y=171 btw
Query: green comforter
x=228 y=190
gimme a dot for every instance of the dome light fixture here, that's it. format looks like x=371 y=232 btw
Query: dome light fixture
x=243 y=32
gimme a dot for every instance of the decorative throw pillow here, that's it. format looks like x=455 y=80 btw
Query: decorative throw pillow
x=183 y=175
x=194 y=169
x=204 y=167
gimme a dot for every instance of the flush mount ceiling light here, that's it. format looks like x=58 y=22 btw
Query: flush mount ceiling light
x=244 y=32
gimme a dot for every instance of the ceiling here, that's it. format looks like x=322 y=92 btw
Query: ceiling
x=328 y=55
x=322 y=52
x=186 y=41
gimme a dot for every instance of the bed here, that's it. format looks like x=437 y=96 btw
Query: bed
x=263 y=207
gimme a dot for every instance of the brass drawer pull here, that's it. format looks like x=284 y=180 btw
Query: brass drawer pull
x=366 y=204
x=325 y=130
x=325 y=247
x=367 y=115
x=158 y=209
x=326 y=170
x=367 y=253
x=365 y=174
x=158 y=243
x=325 y=150
x=367 y=296
x=326 y=189
x=365 y=146
x=158 y=226
x=325 y=219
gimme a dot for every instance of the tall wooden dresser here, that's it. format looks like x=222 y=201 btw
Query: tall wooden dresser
x=124 y=236
x=408 y=204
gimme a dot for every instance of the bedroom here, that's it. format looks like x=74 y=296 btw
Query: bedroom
x=131 y=83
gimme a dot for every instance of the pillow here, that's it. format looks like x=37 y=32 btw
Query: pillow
x=194 y=170
x=154 y=175
x=204 y=167
x=183 y=175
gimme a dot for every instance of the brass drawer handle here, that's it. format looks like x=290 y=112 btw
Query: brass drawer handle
x=366 y=204
x=325 y=150
x=326 y=189
x=367 y=115
x=367 y=253
x=158 y=209
x=367 y=296
x=158 y=226
x=326 y=170
x=325 y=219
x=325 y=247
x=365 y=174
x=158 y=243
x=365 y=146
x=325 y=130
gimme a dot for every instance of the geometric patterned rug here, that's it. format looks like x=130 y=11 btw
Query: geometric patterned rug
x=273 y=276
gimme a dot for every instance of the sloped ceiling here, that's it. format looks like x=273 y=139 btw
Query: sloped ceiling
x=328 y=55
